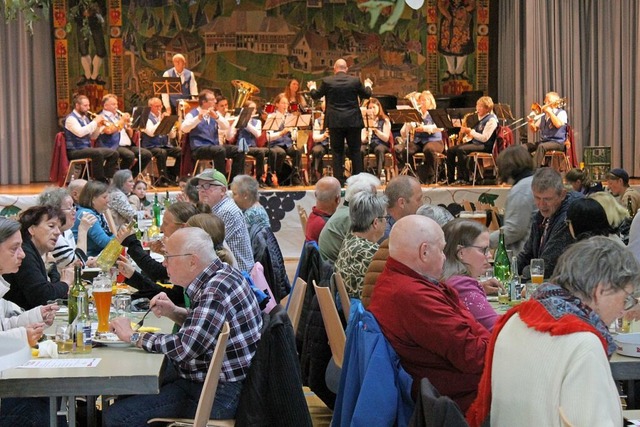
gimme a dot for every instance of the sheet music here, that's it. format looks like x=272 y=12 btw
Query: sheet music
x=61 y=363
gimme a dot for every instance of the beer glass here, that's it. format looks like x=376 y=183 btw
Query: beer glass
x=63 y=339
x=102 y=300
x=478 y=216
x=536 y=268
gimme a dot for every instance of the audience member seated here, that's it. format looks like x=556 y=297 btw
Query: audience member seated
x=214 y=226
x=549 y=235
x=338 y=226
x=75 y=188
x=32 y=285
x=67 y=250
x=138 y=197
x=634 y=237
x=119 y=191
x=327 y=195
x=367 y=213
x=515 y=167
x=425 y=322
x=245 y=193
x=404 y=195
x=552 y=348
x=467 y=257
x=617 y=215
x=218 y=293
x=618 y=184
x=586 y=218
x=78 y=133
x=212 y=191
x=579 y=180
x=94 y=200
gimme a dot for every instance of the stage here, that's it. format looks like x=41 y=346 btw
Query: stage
x=280 y=204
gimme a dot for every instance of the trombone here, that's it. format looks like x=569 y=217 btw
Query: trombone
x=536 y=112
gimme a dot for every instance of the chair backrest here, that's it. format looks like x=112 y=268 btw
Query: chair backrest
x=332 y=324
x=570 y=147
x=294 y=302
x=345 y=301
x=59 y=160
x=303 y=218
x=208 y=394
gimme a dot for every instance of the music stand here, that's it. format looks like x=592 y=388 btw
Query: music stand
x=457 y=115
x=406 y=116
x=243 y=117
x=273 y=122
x=300 y=121
x=139 y=118
x=166 y=126
x=441 y=118
x=503 y=111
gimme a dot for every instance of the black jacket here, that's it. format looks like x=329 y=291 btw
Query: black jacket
x=266 y=251
x=342 y=93
x=31 y=286
x=149 y=266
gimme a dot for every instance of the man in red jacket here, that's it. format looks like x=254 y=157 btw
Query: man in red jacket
x=432 y=331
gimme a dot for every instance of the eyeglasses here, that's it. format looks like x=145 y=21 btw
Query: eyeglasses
x=484 y=249
x=206 y=186
x=172 y=256
x=630 y=301
x=71 y=209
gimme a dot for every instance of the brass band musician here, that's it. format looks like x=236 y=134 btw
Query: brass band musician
x=159 y=144
x=321 y=146
x=377 y=138
x=188 y=83
x=281 y=143
x=427 y=137
x=483 y=136
x=230 y=151
x=552 y=126
x=115 y=134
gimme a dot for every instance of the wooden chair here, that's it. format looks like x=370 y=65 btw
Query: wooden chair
x=345 y=301
x=294 y=302
x=332 y=324
x=303 y=217
x=208 y=394
x=62 y=170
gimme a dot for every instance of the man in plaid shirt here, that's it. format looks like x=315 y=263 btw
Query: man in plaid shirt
x=212 y=190
x=218 y=293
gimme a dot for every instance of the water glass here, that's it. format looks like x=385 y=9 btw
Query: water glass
x=63 y=339
x=122 y=305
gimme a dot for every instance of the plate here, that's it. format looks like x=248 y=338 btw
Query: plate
x=628 y=344
x=110 y=340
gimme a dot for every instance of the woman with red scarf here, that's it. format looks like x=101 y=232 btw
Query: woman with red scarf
x=547 y=362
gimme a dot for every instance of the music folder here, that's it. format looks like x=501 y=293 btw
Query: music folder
x=243 y=117
x=404 y=116
x=441 y=118
x=166 y=125
x=457 y=114
x=300 y=121
x=139 y=117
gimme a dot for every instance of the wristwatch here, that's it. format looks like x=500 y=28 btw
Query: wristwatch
x=135 y=337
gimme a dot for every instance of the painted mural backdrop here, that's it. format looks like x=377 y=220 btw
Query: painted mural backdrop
x=120 y=46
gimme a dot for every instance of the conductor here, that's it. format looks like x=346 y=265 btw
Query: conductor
x=342 y=116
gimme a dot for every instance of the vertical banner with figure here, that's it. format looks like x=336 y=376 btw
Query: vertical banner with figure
x=457 y=45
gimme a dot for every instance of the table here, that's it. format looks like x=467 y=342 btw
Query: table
x=121 y=371
x=625 y=368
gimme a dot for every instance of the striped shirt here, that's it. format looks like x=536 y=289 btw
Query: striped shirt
x=64 y=252
x=219 y=294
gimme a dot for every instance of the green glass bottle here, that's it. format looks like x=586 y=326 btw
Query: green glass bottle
x=167 y=200
x=75 y=290
x=157 y=210
x=501 y=264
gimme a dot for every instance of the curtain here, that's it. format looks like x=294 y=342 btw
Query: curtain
x=27 y=116
x=586 y=51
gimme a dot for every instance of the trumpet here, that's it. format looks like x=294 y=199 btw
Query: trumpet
x=91 y=114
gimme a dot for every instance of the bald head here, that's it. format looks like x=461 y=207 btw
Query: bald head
x=328 y=194
x=418 y=242
x=340 y=66
x=75 y=188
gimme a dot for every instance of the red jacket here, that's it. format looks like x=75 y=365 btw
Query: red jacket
x=432 y=331
x=315 y=223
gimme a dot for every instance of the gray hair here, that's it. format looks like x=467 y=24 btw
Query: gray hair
x=247 y=185
x=8 y=227
x=547 y=179
x=361 y=182
x=53 y=196
x=364 y=209
x=400 y=187
x=436 y=213
x=120 y=178
x=197 y=242
x=598 y=260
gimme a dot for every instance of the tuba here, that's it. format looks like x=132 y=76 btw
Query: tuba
x=243 y=90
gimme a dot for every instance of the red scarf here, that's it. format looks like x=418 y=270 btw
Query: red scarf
x=535 y=316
